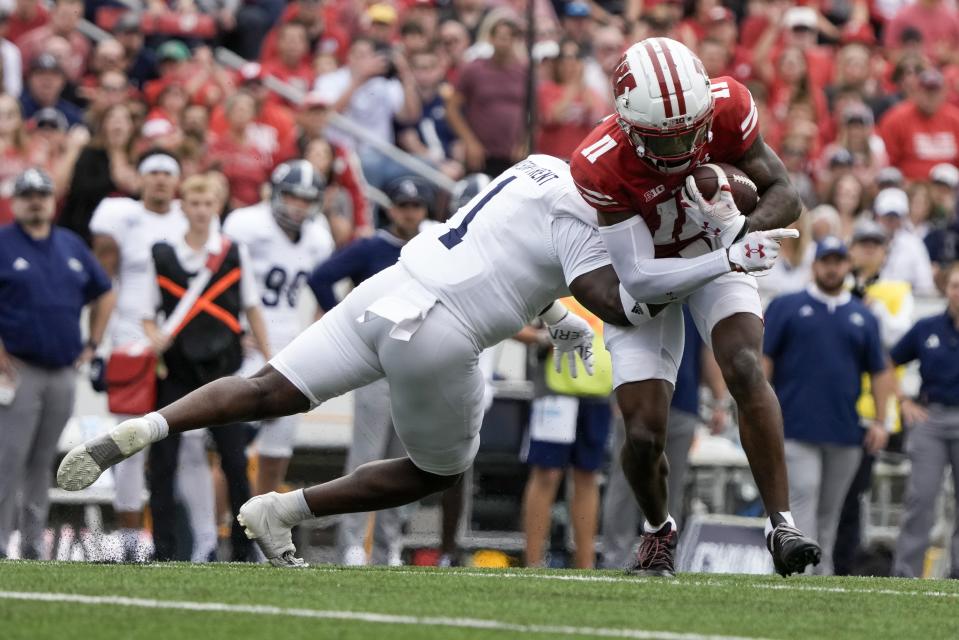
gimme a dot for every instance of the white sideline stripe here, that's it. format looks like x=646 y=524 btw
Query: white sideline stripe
x=672 y=583
x=360 y=616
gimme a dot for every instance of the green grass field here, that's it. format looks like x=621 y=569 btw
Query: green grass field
x=207 y=602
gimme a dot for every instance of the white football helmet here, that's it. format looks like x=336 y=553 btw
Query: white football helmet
x=664 y=103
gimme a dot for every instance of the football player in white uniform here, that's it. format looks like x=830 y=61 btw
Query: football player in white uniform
x=458 y=288
x=124 y=231
x=286 y=238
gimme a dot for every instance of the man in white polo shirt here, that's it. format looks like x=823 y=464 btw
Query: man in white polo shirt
x=124 y=231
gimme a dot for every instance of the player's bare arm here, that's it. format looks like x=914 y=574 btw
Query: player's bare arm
x=598 y=291
x=779 y=204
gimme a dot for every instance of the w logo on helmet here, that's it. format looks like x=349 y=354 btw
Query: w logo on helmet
x=624 y=80
x=759 y=250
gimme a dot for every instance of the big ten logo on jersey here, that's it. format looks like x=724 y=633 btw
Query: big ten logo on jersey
x=655 y=191
x=279 y=287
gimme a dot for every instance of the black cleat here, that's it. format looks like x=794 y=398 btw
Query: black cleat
x=655 y=557
x=791 y=550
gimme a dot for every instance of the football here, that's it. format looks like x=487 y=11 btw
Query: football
x=745 y=193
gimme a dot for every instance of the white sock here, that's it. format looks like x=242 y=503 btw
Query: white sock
x=648 y=528
x=159 y=429
x=786 y=515
x=292 y=507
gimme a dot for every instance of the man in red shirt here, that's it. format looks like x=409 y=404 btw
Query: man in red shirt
x=935 y=20
x=671 y=246
x=292 y=61
x=272 y=129
x=922 y=131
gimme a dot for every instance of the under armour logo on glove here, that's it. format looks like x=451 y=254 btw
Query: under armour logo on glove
x=757 y=252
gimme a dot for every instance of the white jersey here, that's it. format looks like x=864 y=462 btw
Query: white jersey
x=510 y=251
x=281 y=266
x=135 y=230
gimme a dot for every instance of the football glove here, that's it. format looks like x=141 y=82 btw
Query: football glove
x=569 y=335
x=757 y=252
x=718 y=218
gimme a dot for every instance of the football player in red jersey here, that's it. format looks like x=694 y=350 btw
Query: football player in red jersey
x=669 y=245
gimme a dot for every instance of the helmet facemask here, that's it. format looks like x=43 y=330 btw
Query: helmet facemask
x=670 y=150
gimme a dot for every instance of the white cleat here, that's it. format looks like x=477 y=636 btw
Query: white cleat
x=84 y=463
x=263 y=524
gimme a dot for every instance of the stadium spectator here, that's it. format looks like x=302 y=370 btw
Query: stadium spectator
x=936 y=24
x=621 y=515
x=48 y=276
x=431 y=138
x=920 y=209
x=13 y=151
x=140 y=63
x=908 y=259
x=45 y=88
x=340 y=167
x=795 y=28
x=943 y=242
x=236 y=156
x=568 y=108
x=855 y=134
x=364 y=92
x=327 y=38
x=123 y=231
x=454 y=41
x=934 y=434
x=793 y=270
x=64 y=18
x=11 y=62
x=848 y=196
x=469 y=13
x=923 y=130
x=104 y=167
x=568 y=429
x=206 y=347
x=26 y=16
x=608 y=46
x=373 y=435
x=273 y=128
x=487 y=109
x=818 y=344
x=292 y=62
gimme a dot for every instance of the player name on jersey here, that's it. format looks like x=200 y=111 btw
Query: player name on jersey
x=540 y=175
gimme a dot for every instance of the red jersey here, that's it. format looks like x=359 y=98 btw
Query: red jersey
x=612 y=178
x=916 y=142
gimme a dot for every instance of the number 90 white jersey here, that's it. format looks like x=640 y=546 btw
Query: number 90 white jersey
x=281 y=266
x=511 y=250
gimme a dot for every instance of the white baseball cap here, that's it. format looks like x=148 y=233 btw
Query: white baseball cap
x=945 y=173
x=891 y=201
x=801 y=17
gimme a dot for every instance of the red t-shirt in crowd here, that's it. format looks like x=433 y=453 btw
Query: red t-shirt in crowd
x=560 y=134
x=939 y=26
x=245 y=166
x=272 y=131
x=17 y=25
x=916 y=142
x=494 y=104
x=334 y=41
